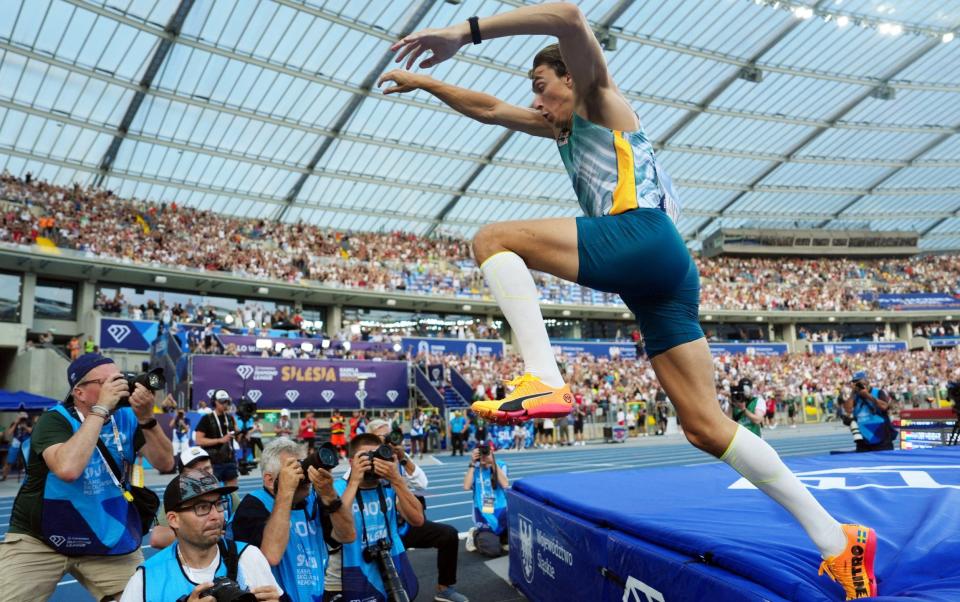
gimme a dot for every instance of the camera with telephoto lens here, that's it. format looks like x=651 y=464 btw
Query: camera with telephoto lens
x=379 y=553
x=227 y=590
x=742 y=392
x=152 y=380
x=384 y=452
x=246 y=409
x=395 y=438
x=325 y=457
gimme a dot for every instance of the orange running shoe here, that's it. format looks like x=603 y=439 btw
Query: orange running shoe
x=531 y=398
x=853 y=568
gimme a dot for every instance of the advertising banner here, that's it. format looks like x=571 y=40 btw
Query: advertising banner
x=749 y=348
x=944 y=341
x=554 y=555
x=248 y=344
x=417 y=345
x=608 y=349
x=130 y=335
x=850 y=348
x=913 y=301
x=294 y=384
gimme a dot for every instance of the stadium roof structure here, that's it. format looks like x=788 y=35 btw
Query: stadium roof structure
x=767 y=114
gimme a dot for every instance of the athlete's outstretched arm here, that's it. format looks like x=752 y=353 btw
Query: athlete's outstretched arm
x=597 y=94
x=475 y=105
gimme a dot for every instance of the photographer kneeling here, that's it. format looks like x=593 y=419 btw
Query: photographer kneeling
x=869 y=423
x=374 y=567
x=80 y=454
x=284 y=517
x=488 y=481
x=200 y=566
x=430 y=534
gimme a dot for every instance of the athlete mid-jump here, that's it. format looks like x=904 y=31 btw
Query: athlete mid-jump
x=627 y=243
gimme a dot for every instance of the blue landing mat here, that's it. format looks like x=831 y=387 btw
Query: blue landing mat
x=702 y=533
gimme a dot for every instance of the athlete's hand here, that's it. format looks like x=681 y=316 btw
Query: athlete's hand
x=442 y=44
x=403 y=81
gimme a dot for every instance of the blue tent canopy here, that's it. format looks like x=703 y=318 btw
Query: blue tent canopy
x=10 y=402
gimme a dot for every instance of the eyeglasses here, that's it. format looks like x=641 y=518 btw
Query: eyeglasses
x=204 y=508
x=98 y=381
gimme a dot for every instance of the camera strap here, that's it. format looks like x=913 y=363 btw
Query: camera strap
x=383 y=509
x=119 y=476
x=228 y=551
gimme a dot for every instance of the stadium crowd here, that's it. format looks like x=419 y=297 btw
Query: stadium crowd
x=98 y=223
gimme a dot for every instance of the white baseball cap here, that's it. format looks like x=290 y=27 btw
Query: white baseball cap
x=192 y=454
x=285 y=412
x=221 y=395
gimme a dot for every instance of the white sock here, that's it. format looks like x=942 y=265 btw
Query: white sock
x=759 y=463
x=516 y=294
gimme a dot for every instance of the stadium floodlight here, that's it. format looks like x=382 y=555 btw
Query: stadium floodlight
x=843 y=21
x=947 y=37
x=466 y=307
x=625 y=315
x=759 y=318
x=160 y=279
x=879 y=319
x=391 y=302
x=566 y=312
x=803 y=12
x=708 y=317
x=831 y=319
x=263 y=290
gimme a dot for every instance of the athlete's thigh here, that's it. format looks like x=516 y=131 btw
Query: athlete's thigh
x=546 y=245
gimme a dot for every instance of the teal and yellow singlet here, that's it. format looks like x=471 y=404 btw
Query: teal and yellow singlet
x=613 y=172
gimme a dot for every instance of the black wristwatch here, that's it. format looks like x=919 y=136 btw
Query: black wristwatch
x=333 y=507
x=149 y=424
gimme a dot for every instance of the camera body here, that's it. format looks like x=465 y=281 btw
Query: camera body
x=153 y=380
x=484 y=448
x=395 y=438
x=325 y=457
x=379 y=553
x=384 y=452
x=227 y=590
x=859 y=386
x=246 y=409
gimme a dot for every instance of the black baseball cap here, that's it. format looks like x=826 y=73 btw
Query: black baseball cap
x=191 y=484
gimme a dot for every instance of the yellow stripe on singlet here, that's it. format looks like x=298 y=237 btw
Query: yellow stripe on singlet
x=625 y=194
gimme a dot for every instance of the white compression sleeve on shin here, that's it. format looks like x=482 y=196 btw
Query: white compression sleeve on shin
x=512 y=286
x=759 y=463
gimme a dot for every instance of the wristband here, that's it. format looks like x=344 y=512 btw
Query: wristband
x=475 y=29
x=149 y=424
x=333 y=507
x=100 y=411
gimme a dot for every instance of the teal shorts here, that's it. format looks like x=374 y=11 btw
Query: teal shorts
x=641 y=256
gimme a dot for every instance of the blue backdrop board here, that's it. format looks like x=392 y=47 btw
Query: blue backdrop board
x=749 y=348
x=703 y=533
x=131 y=335
x=845 y=348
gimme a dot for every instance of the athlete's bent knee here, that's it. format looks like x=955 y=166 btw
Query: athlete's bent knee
x=487 y=242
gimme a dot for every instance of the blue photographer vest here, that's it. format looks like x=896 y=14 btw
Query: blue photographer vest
x=361 y=580
x=300 y=572
x=489 y=503
x=872 y=424
x=90 y=516
x=165 y=581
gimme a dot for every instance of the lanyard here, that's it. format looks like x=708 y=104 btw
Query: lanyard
x=121 y=484
x=383 y=509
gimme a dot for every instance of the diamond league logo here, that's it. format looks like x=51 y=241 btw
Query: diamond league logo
x=327 y=395
x=245 y=370
x=58 y=540
x=292 y=395
x=118 y=332
x=361 y=395
x=392 y=395
x=254 y=395
x=526 y=547
x=210 y=393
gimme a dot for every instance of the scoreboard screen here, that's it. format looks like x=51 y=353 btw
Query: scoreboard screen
x=925 y=429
